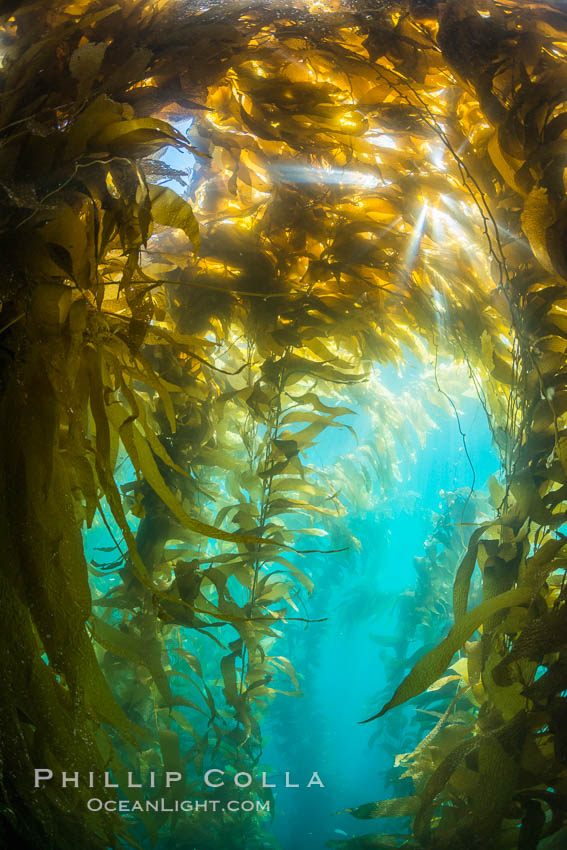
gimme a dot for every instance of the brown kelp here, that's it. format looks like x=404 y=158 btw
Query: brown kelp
x=368 y=178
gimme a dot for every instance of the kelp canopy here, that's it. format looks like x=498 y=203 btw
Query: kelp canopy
x=369 y=178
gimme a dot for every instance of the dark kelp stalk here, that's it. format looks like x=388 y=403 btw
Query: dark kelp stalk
x=368 y=179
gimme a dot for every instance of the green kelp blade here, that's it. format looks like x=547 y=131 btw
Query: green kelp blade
x=434 y=663
x=397 y=807
x=461 y=585
x=142 y=457
x=368 y=842
x=171 y=210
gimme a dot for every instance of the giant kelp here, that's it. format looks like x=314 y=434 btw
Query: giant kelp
x=367 y=180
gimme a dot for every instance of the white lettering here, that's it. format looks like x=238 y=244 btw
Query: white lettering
x=107 y=782
x=209 y=773
x=171 y=776
x=265 y=783
x=289 y=784
x=70 y=778
x=41 y=774
x=131 y=783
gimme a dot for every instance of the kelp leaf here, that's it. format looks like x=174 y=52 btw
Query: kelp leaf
x=429 y=668
x=142 y=457
x=120 y=136
x=397 y=807
x=462 y=581
x=170 y=210
x=537 y=217
x=368 y=842
x=170 y=749
x=438 y=780
x=184 y=723
x=85 y=63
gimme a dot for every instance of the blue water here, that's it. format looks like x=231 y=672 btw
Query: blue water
x=343 y=665
x=344 y=678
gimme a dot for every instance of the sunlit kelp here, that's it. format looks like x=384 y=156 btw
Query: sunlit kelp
x=366 y=181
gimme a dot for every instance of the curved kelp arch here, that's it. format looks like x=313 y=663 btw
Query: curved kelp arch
x=368 y=179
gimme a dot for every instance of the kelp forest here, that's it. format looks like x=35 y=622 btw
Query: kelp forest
x=224 y=227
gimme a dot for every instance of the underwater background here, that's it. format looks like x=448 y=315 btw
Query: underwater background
x=363 y=596
x=349 y=659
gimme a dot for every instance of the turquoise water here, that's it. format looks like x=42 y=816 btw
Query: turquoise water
x=348 y=665
x=345 y=676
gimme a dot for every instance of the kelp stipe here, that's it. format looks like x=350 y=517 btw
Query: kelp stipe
x=395 y=180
